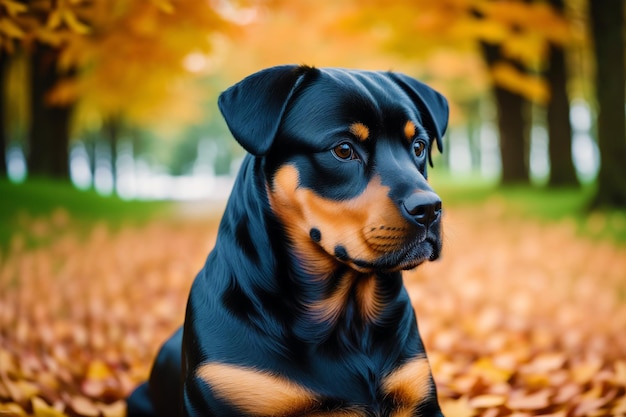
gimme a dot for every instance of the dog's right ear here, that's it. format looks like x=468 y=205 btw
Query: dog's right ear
x=253 y=108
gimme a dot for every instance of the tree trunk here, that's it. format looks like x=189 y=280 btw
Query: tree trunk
x=513 y=112
x=472 y=109
x=4 y=60
x=112 y=130
x=607 y=29
x=50 y=125
x=562 y=171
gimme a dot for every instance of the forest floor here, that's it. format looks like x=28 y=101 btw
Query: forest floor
x=519 y=317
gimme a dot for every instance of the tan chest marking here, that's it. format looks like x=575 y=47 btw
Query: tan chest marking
x=256 y=392
x=409 y=385
x=329 y=309
x=336 y=413
x=263 y=394
x=368 y=299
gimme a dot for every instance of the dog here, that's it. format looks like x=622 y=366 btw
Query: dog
x=300 y=309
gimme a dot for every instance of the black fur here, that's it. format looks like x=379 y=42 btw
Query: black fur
x=252 y=305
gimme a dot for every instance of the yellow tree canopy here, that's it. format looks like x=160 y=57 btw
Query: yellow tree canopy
x=523 y=30
x=129 y=58
x=135 y=60
x=138 y=58
x=437 y=40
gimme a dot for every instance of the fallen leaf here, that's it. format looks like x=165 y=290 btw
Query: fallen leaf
x=487 y=401
x=117 y=409
x=526 y=401
x=492 y=374
x=457 y=408
x=585 y=371
x=84 y=406
x=42 y=409
x=501 y=317
x=620 y=373
x=11 y=410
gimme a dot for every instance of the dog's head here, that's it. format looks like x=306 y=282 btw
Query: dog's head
x=345 y=157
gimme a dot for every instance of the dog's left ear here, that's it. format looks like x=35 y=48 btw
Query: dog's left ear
x=253 y=108
x=429 y=102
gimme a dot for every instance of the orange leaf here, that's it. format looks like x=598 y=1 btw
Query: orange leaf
x=620 y=373
x=10 y=29
x=532 y=87
x=117 y=409
x=585 y=371
x=98 y=370
x=524 y=401
x=54 y=19
x=84 y=407
x=21 y=390
x=491 y=373
x=42 y=409
x=13 y=8
x=11 y=410
x=487 y=401
x=73 y=23
x=528 y=48
x=546 y=362
x=457 y=408
x=620 y=406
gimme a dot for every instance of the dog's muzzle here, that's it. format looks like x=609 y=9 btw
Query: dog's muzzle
x=423 y=207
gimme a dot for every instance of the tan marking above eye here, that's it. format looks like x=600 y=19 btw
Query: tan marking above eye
x=256 y=392
x=359 y=130
x=409 y=130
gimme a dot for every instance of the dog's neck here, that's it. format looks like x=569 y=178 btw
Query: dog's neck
x=323 y=298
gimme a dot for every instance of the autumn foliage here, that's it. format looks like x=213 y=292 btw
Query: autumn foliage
x=518 y=318
x=129 y=55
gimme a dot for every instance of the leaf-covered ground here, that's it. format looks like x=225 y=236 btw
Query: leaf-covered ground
x=519 y=318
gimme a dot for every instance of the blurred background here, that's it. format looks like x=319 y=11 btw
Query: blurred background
x=119 y=96
x=115 y=165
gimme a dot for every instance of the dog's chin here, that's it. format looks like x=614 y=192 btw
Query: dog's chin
x=427 y=250
x=409 y=257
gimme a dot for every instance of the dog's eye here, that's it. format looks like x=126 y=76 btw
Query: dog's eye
x=419 y=148
x=345 y=152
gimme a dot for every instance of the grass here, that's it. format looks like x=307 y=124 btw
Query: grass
x=539 y=203
x=26 y=206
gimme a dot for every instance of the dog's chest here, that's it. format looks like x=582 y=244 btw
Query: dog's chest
x=331 y=389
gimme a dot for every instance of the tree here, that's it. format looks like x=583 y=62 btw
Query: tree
x=562 y=171
x=102 y=59
x=10 y=32
x=512 y=35
x=3 y=142
x=513 y=114
x=50 y=127
x=607 y=30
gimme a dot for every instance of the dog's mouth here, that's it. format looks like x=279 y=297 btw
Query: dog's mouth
x=403 y=255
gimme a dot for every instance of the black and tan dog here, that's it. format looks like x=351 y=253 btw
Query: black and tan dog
x=300 y=309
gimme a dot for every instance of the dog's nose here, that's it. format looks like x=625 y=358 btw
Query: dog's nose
x=424 y=207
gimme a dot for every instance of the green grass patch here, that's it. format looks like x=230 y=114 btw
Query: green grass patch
x=40 y=209
x=29 y=210
x=538 y=203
